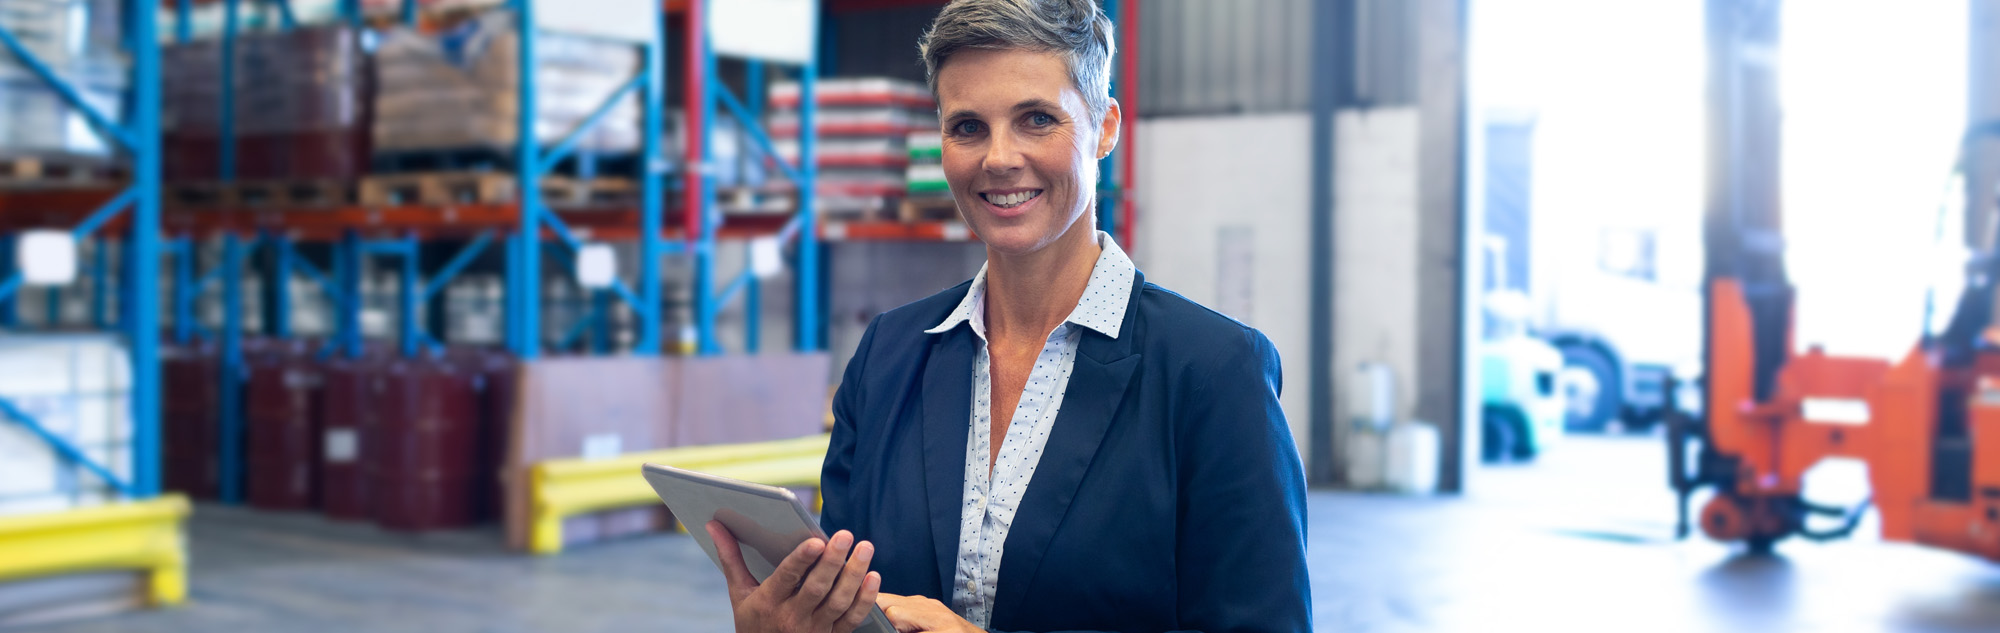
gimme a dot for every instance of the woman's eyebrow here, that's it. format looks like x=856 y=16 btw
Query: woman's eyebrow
x=1035 y=103
x=1032 y=103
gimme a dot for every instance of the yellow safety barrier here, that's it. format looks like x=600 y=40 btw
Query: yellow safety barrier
x=142 y=535
x=562 y=488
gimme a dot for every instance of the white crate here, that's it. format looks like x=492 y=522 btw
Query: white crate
x=76 y=387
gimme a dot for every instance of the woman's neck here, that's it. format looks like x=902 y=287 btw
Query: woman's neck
x=1034 y=292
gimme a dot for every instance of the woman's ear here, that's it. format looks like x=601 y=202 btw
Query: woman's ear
x=1108 y=129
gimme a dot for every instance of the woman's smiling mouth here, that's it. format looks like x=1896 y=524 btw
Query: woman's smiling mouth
x=1011 y=200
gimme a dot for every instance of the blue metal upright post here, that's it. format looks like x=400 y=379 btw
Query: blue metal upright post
x=10 y=314
x=231 y=459
x=806 y=278
x=185 y=291
x=100 y=282
x=226 y=125
x=281 y=277
x=705 y=304
x=651 y=203
x=411 y=298
x=347 y=258
x=525 y=282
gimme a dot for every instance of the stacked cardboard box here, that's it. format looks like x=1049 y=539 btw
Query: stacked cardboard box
x=461 y=89
x=863 y=127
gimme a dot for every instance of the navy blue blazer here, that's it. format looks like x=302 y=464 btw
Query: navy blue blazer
x=1170 y=496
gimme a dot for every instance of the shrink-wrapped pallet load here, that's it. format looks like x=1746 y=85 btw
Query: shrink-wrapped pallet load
x=461 y=89
x=79 y=41
x=302 y=100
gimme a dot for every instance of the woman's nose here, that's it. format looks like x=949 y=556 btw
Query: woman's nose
x=1003 y=154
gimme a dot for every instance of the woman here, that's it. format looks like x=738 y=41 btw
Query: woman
x=1056 y=444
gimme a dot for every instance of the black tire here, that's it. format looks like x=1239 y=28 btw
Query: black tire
x=1761 y=547
x=1610 y=400
x=1502 y=435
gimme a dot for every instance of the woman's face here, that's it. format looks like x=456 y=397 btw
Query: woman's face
x=1020 y=148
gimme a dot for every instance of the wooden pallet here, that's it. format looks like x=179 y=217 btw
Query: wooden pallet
x=927 y=209
x=58 y=171
x=437 y=188
x=264 y=193
x=489 y=187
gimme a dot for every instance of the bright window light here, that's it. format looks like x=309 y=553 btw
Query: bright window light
x=1874 y=101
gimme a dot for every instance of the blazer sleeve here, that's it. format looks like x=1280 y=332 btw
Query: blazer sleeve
x=836 y=472
x=1242 y=544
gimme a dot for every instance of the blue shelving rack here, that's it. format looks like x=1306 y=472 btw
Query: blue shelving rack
x=704 y=92
x=136 y=209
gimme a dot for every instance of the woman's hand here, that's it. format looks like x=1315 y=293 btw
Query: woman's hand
x=817 y=589
x=912 y=614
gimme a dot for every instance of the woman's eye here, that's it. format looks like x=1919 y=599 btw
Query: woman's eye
x=965 y=128
x=1039 y=119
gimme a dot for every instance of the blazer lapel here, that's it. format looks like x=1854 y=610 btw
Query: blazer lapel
x=1097 y=385
x=947 y=411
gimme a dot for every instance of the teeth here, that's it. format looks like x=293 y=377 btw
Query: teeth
x=1012 y=199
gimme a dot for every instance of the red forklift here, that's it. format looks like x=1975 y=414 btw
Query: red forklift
x=1927 y=425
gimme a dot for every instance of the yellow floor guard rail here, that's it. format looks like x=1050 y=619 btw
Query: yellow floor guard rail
x=141 y=535
x=562 y=488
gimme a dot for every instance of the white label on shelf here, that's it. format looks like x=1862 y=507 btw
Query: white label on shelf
x=342 y=446
x=956 y=232
x=46 y=258
x=596 y=266
x=774 y=30
x=767 y=257
x=835 y=231
x=603 y=446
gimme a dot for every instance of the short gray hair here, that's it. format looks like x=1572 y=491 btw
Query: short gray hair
x=1075 y=30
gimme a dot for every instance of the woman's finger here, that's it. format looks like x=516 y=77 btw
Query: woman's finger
x=864 y=604
x=784 y=581
x=734 y=570
x=819 y=580
x=848 y=585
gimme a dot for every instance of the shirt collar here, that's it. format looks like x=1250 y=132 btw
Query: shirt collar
x=1102 y=307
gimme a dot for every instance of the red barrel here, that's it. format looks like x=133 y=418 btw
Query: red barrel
x=421 y=445
x=493 y=377
x=283 y=412
x=189 y=434
x=344 y=396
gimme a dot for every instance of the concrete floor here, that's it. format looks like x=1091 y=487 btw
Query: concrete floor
x=1579 y=542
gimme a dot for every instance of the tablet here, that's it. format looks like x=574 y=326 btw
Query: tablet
x=768 y=522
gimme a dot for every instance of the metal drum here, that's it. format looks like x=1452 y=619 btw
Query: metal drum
x=421 y=444
x=188 y=418
x=283 y=413
x=493 y=374
x=344 y=403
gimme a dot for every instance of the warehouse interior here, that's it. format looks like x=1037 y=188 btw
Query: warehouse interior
x=333 y=315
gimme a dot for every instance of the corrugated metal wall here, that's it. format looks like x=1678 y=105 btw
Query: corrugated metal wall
x=1197 y=57
x=1204 y=57
x=1224 y=56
